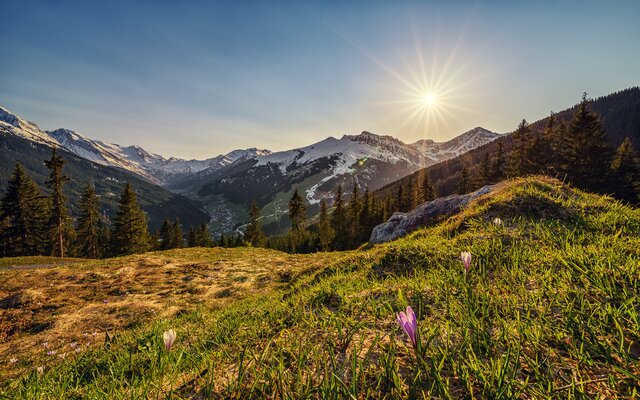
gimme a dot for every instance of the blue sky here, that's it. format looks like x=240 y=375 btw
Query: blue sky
x=197 y=78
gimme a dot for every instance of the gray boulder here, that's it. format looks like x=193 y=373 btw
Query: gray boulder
x=424 y=215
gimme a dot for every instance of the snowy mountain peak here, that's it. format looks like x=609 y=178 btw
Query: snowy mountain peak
x=373 y=139
x=13 y=124
x=440 y=151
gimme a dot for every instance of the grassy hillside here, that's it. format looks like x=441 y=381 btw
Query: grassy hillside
x=549 y=309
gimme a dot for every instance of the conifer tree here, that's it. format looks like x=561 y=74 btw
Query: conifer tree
x=253 y=235
x=625 y=169
x=354 y=215
x=428 y=191
x=518 y=162
x=130 y=233
x=464 y=182
x=485 y=170
x=58 y=226
x=542 y=152
x=587 y=151
x=191 y=237
x=165 y=235
x=297 y=211
x=90 y=229
x=23 y=215
x=339 y=221
x=364 y=218
x=177 y=237
x=498 y=166
x=222 y=242
x=202 y=237
x=325 y=231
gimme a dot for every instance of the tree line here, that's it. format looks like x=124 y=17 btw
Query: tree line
x=36 y=222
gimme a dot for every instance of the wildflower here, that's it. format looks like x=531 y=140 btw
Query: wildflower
x=78 y=349
x=40 y=369
x=497 y=222
x=169 y=337
x=73 y=344
x=13 y=360
x=409 y=324
x=51 y=353
x=45 y=345
x=105 y=301
x=465 y=256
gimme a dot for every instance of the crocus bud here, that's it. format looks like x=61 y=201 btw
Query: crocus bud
x=465 y=256
x=169 y=337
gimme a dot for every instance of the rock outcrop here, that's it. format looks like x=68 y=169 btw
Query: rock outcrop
x=424 y=215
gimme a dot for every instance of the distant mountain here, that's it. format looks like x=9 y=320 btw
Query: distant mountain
x=154 y=167
x=461 y=144
x=22 y=141
x=368 y=159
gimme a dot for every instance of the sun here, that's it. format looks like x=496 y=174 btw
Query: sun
x=429 y=99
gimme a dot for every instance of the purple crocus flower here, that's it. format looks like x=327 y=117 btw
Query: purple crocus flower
x=465 y=256
x=409 y=324
x=169 y=337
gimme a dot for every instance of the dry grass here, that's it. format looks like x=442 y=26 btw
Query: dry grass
x=41 y=302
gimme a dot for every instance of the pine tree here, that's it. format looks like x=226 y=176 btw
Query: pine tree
x=464 y=182
x=90 y=229
x=325 y=231
x=58 y=226
x=587 y=151
x=547 y=148
x=354 y=215
x=498 y=166
x=518 y=162
x=165 y=235
x=191 y=237
x=297 y=211
x=364 y=217
x=625 y=169
x=222 y=242
x=202 y=237
x=339 y=222
x=23 y=215
x=177 y=237
x=130 y=233
x=428 y=191
x=485 y=170
x=253 y=235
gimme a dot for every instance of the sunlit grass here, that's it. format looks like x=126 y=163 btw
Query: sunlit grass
x=548 y=309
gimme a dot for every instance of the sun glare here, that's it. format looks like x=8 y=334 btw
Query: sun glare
x=429 y=99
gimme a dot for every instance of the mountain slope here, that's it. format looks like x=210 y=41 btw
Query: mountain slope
x=548 y=309
x=31 y=147
x=154 y=167
x=316 y=170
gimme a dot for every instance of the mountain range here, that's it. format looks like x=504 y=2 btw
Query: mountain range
x=223 y=186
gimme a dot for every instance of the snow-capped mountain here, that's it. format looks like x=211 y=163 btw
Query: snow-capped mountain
x=437 y=152
x=153 y=167
x=316 y=170
x=17 y=126
x=136 y=159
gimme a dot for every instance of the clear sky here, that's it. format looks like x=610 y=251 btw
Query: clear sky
x=198 y=78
